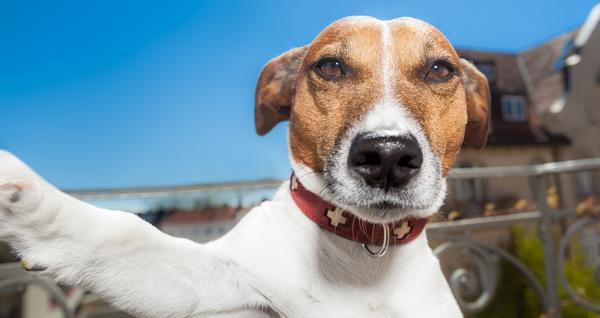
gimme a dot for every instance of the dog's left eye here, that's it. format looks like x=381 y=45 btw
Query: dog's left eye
x=440 y=71
x=329 y=68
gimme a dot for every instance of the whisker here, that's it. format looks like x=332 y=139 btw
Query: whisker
x=354 y=239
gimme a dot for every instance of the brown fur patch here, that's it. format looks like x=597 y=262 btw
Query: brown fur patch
x=275 y=90
x=478 y=105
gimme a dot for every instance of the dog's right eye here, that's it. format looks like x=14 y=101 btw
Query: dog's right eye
x=329 y=68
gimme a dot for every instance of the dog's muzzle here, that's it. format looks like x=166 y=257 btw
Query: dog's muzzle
x=386 y=162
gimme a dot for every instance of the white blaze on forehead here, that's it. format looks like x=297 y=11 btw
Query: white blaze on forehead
x=417 y=26
x=387 y=63
x=388 y=116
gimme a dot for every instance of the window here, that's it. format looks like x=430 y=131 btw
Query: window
x=514 y=108
x=488 y=69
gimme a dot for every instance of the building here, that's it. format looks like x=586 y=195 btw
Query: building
x=576 y=112
x=545 y=108
x=517 y=137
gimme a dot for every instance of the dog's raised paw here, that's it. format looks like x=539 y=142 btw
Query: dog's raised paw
x=19 y=196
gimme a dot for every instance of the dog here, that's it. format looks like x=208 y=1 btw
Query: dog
x=377 y=110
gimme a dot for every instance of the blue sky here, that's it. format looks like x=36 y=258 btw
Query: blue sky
x=125 y=93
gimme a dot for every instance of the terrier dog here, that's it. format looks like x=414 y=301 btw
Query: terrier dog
x=377 y=110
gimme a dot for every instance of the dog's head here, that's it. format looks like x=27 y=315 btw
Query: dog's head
x=378 y=111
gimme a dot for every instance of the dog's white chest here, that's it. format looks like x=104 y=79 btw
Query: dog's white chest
x=306 y=272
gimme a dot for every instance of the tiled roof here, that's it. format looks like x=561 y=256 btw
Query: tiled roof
x=540 y=63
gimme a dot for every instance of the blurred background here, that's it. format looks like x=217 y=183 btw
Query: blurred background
x=147 y=107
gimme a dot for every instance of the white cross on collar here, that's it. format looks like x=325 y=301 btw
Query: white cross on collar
x=336 y=217
x=402 y=231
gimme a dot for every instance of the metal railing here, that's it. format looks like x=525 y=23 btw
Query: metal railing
x=13 y=276
x=454 y=236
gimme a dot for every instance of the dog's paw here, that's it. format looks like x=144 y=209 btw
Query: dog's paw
x=20 y=210
x=18 y=197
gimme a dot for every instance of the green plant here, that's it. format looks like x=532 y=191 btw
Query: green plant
x=516 y=298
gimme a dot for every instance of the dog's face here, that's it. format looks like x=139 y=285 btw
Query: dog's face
x=378 y=111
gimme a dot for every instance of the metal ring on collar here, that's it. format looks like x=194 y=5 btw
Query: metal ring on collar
x=384 y=247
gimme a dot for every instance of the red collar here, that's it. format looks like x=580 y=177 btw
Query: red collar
x=345 y=224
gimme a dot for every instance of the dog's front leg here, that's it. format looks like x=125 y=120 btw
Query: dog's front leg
x=115 y=254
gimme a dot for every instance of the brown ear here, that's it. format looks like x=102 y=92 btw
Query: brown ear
x=275 y=90
x=477 y=90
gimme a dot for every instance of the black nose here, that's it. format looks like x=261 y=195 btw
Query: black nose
x=385 y=162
